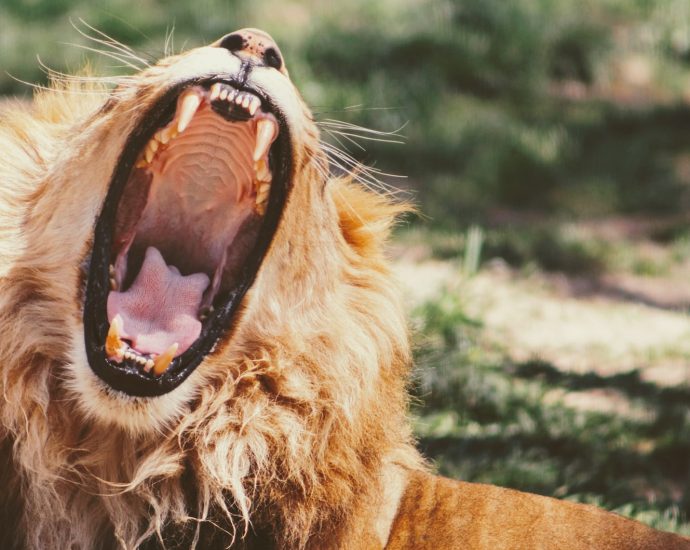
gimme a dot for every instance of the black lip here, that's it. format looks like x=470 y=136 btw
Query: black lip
x=128 y=378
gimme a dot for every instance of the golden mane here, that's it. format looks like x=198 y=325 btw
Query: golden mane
x=282 y=428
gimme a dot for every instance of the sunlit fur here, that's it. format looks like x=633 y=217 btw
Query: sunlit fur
x=289 y=420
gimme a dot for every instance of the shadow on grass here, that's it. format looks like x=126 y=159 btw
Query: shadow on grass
x=542 y=446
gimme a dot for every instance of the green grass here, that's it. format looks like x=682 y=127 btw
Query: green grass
x=482 y=417
x=478 y=85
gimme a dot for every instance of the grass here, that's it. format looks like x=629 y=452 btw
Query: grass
x=481 y=416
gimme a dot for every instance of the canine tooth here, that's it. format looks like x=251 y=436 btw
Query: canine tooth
x=216 y=90
x=114 y=346
x=264 y=137
x=188 y=106
x=149 y=365
x=255 y=104
x=162 y=362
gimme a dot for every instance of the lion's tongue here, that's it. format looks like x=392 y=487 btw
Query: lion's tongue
x=161 y=307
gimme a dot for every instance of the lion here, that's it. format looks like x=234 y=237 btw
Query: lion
x=202 y=345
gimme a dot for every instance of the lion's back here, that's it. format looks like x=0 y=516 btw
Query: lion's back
x=437 y=513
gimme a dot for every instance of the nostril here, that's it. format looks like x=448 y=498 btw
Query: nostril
x=232 y=42
x=272 y=58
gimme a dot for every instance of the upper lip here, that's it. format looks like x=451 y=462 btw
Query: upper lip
x=122 y=376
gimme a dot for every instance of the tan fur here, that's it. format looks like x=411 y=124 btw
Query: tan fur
x=292 y=435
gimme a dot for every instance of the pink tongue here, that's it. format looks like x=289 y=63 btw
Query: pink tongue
x=160 y=308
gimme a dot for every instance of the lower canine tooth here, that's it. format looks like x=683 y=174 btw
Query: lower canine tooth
x=114 y=346
x=162 y=362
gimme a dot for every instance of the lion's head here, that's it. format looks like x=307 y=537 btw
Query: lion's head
x=198 y=325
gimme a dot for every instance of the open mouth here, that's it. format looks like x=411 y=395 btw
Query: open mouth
x=191 y=210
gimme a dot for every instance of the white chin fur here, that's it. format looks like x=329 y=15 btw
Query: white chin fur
x=137 y=415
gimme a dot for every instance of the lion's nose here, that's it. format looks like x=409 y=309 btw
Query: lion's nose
x=256 y=44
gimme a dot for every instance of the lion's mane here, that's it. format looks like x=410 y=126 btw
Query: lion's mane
x=289 y=424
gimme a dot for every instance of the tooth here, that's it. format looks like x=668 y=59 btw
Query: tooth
x=262 y=192
x=232 y=95
x=153 y=144
x=148 y=154
x=113 y=283
x=141 y=163
x=264 y=137
x=149 y=365
x=162 y=362
x=188 y=106
x=223 y=94
x=215 y=90
x=261 y=170
x=239 y=98
x=114 y=346
x=165 y=136
x=256 y=103
x=247 y=100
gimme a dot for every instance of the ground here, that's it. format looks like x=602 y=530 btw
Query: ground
x=570 y=385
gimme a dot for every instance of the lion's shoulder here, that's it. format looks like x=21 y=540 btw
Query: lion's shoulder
x=437 y=512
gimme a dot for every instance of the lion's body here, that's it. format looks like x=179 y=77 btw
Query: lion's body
x=292 y=434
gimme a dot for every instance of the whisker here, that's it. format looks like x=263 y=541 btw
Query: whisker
x=110 y=42
x=104 y=53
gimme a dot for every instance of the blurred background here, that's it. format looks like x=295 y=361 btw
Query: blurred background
x=547 y=144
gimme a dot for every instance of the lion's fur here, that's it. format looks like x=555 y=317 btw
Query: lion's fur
x=287 y=416
x=294 y=429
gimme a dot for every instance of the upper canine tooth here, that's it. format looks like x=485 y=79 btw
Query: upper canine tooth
x=186 y=109
x=162 y=362
x=114 y=346
x=265 y=131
